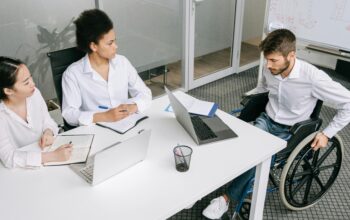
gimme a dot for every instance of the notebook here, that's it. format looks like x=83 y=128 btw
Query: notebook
x=125 y=124
x=81 y=147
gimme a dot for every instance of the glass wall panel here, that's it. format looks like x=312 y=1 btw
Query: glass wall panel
x=149 y=34
x=253 y=23
x=31 y=28
x=214 y=23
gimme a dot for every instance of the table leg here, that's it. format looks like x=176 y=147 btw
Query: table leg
x=260 y=187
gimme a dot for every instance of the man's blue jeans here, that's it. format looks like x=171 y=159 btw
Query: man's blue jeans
x=236 y=189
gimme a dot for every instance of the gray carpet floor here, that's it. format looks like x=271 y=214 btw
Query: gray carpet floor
x=227 y=92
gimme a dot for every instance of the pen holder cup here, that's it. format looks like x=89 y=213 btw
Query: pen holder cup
x=182 y=155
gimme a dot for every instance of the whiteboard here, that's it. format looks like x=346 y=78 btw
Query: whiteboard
x=324 y=22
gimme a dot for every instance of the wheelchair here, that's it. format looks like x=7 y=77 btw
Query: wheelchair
x=301 y=175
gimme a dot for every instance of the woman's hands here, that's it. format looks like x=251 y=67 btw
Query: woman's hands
x=115 y=114
x=46 y=139
x=62 y=153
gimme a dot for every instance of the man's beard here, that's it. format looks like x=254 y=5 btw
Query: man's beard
x=279 y=71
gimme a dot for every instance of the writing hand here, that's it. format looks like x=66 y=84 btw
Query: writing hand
x=118 y=113
x=64 y=152
x=130 y=108
x=115 y=114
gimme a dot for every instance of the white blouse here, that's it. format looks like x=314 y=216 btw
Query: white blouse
x=16 y=133
x=84 y=90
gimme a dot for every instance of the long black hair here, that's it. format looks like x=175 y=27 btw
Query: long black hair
x=8 y=74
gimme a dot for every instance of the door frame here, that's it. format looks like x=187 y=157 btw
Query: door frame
x=188 y=80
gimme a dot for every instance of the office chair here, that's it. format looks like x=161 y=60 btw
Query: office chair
x=59 y=61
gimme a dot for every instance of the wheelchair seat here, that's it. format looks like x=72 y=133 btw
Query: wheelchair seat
x=301 y=175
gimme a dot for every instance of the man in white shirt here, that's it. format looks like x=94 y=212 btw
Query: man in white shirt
x=96 y=88
x=294 y=87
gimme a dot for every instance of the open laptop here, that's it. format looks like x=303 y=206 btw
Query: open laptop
x=202 y=129
x=114 y=159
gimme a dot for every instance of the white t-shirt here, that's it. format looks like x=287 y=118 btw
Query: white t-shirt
x=16 y=133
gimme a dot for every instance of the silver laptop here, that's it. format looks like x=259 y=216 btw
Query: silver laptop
x=202 y=129
x=114 y=159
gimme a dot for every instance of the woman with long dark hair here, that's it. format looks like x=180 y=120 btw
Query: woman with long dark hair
x=24 y=119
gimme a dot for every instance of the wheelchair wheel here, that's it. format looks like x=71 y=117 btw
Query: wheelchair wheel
x=244 y=211
x=309 y=174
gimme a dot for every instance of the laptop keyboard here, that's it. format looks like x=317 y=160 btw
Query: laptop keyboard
x=88 y=171
x=203 y=131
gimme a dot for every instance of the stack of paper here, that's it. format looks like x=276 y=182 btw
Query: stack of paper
x=195 y=106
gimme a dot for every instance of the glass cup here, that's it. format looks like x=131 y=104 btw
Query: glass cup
x=182 y=156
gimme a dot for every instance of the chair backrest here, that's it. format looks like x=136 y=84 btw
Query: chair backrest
x=60 y=60
x=316 y=112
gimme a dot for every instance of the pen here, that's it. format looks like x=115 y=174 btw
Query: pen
x=102 y=107
x=70 y=142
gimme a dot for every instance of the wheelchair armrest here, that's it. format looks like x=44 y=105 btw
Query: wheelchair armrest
x=299 y=131
x=258 y=97
x=312 y=124
x=253 y=106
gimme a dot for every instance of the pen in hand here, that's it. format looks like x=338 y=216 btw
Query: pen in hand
x=102 y=107
x=105 y=107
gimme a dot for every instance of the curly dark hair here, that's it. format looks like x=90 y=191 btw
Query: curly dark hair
x=8 y=74
x=91 y=25
x=280 y=40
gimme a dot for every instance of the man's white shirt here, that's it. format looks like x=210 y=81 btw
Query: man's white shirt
x=292 y=99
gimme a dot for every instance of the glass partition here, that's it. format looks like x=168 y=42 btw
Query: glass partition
x=29 y=29
x=149 y=34
x=253 y=23
x=213 y=36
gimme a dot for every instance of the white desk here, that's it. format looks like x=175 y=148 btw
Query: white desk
x=152 y=189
